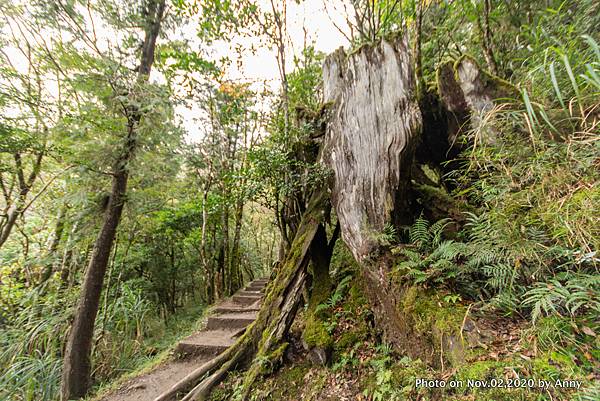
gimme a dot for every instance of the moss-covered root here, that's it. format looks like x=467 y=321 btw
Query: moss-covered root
x=191 y=379
x=286 y=292
x=202 y=390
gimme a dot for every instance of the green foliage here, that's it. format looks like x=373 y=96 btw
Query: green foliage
x=376 y=19
x=430 y=260
x=579 y=291
x=337 y=296
x=30 y=358
x=127 y=335
x=383 y=388
x=486 y=259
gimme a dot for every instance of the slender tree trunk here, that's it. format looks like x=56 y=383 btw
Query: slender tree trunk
x=235 y=247
x=77 y=364
x=56 y=237
x=77 y=359
x=417 y=49
x=487 y=40
x=25 y=185
x=209 y=293
x=226 y=252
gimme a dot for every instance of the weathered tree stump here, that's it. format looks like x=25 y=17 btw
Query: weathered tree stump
x=374 y=128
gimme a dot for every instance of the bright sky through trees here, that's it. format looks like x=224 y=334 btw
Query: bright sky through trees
x=311 y=22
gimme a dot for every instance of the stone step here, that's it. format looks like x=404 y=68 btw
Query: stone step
x=245 y=299
x=229 y=306
x=230 y=320
x=254 y=290
x=206 y=343
x=255 y=287
x=236 y=309
x=249 y=293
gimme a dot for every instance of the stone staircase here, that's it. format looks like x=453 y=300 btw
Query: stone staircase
x=229 y=321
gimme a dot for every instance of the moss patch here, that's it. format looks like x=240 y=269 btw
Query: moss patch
x=435 y=321
x=315 y=334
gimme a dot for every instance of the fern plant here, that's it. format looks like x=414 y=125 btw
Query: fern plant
x=427 y=236
x=429 y=259
x=387 y=237
x=336 y=296
x=578 y=292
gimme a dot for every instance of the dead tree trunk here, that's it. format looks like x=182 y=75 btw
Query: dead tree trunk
x=262 y=340
x=374 y=127
x=77 y=359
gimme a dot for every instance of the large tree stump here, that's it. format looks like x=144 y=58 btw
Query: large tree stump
x=373 y=130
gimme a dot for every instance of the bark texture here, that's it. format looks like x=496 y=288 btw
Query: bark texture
x=374 y=128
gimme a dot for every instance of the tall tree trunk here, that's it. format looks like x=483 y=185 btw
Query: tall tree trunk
x=235 y=246
x=226 y=252
x=209 y=278
x=77 y=364
x=77 y=359
x=65 y=264
x=487 y=40
x=417 y=50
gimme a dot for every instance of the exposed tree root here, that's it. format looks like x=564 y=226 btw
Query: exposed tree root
x=262 y=340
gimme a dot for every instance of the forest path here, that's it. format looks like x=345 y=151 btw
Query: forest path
x=228 y=322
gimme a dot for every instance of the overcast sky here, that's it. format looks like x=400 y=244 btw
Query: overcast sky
x=309 y=18
x=260 y=68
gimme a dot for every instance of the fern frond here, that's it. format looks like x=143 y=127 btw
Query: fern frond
x=419 y=233
x=437 y=229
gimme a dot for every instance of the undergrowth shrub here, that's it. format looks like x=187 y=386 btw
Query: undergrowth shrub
x=126 y=335
x=531 y=245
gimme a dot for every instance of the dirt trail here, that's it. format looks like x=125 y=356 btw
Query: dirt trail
x=229 y=320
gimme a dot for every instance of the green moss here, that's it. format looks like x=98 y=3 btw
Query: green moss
x=485 y=371
x=315 y=334
x=430 y=311
x=431 y=193
x=404 y=374
x=556 y=365
x=347 y=340
x=294 y=375
x=355 y=300
x=436 y=322
x=288 y=384
x=481 y=370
